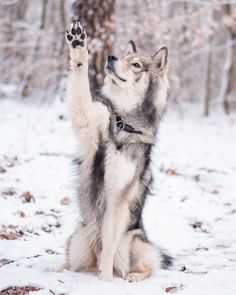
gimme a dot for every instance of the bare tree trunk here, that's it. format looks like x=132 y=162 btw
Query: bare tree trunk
x=209 y=74
x=230 y=70
x=98 y=18
x=33 y=52
x=226 y=75
x=229 y=89
x=208 y=86
x=28 y=75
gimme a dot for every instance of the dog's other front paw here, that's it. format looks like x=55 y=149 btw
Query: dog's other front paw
x=62 y=267
x=76 y=36
x=135 y=277
x=105 y=276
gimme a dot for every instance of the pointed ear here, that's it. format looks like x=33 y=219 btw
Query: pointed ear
x=161 y=58
x=131 y=48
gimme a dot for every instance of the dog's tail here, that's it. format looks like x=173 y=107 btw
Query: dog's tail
x=167 y=260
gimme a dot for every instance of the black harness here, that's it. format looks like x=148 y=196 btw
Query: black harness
x=121 y=125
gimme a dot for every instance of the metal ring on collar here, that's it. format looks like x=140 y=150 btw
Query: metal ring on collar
x=120 y=124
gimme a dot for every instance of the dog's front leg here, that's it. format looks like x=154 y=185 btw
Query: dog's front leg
x=78 y=91
x=113 y=226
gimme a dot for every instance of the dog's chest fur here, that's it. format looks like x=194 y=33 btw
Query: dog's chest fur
x=115 y=168
x=119 y=169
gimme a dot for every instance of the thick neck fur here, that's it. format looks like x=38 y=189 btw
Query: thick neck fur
x=130 y=99
x=124 y=100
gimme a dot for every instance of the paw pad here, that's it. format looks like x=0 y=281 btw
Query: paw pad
x=82 y=36
x=77 y=43
x=76 y=36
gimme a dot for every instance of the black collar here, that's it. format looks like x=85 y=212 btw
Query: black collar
x=121 y=125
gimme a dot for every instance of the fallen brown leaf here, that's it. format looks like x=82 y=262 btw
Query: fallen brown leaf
x=10 y=232
x=65 y=201
x=19 y=290
x=172 y=172
x=22 y=214
x=27 y=197
x=174 y=288
x=9 y=192
x=170 y=289
x=215 y=191
x=2 y=169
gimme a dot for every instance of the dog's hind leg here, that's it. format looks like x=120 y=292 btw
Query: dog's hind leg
x=136 y=258
x=144 y=259
x=80 y=256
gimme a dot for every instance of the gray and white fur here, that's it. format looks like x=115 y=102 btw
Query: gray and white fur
x=116 y=130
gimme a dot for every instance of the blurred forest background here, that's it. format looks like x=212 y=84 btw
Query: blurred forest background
x=200 y=35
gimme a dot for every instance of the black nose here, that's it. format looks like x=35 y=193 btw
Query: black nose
x=112 y=58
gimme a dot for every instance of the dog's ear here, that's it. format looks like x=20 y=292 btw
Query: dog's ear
x=161 y=58
x=131 y=48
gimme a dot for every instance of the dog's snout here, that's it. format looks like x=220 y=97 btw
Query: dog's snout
x=111 y=58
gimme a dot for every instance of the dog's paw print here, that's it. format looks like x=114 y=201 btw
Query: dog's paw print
x=76 y=36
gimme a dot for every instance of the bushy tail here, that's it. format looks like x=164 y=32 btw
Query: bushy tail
x=166 y=260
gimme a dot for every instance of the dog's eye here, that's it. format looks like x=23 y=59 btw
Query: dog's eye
x=136 y=65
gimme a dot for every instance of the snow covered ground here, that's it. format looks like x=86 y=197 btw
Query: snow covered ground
x=192 y=212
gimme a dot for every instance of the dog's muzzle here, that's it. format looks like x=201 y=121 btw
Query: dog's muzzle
x=111 y=59
x=111 y=67
x=110 y=62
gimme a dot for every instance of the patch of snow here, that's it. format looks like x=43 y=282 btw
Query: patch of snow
x=192 y=212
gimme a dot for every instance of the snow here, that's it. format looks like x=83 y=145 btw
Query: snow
x=191 y=213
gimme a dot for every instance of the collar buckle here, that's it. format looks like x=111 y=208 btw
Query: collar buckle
x=121 y=125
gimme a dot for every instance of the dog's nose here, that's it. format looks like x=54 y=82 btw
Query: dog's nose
x=111 y=58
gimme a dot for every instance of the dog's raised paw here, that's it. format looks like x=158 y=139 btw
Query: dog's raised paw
x=76 y=35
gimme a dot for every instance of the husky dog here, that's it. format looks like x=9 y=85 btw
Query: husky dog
x=116 y=130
